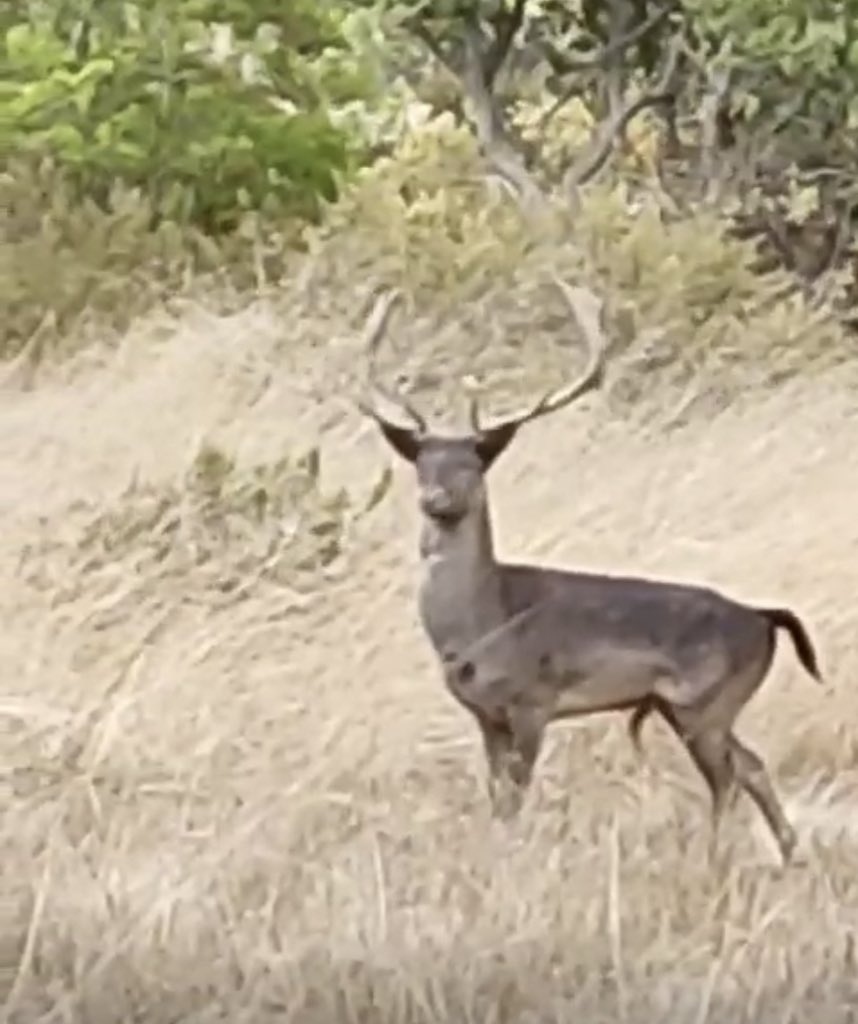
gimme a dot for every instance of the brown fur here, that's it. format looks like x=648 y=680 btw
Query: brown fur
x=779 y=618
x=522 y=645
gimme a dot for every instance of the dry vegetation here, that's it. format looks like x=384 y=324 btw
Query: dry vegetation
x=233 y=787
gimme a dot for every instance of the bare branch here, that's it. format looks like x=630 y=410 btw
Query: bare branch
x=576 y=88
x=609 y=60
x=477 y=70
x=489 y=121
x=586 y=168
x=717 y=86
x=564 y=65
x=476 y=74
x=841 y=236
x=583 y=171
x=613 y=77
x=506 y=24
x=419 y=30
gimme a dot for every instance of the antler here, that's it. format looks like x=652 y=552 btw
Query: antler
x=374 y=331
x=586 y=309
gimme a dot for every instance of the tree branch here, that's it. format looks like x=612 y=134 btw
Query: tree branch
x=479 y=67
x=586 y=168
x=505 y=24
x=600 y=61
x=563 y=65
x=419 y=30
x=489 y=120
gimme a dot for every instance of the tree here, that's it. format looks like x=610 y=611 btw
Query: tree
x=756 y=104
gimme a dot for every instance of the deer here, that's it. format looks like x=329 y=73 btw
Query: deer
x=522 y=645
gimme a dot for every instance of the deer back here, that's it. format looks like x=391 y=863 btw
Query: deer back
x=598 y=640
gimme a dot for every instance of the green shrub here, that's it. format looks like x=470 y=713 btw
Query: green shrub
x=208 y=118
x=66 y=262
x=682 y=296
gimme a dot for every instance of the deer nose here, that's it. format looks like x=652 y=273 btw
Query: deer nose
x=435 y=501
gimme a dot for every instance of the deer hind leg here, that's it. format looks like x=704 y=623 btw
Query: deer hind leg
x=752 y=776
x=711 y=754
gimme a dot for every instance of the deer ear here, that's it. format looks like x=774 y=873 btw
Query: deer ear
x=404 y=441
x=490 y=443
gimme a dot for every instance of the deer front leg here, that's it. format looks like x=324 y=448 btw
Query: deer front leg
x=511 y=747
x=498 y=746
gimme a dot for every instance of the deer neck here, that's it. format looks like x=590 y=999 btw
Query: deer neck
x=460 y=595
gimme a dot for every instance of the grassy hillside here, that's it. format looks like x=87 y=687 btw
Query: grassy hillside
x=234 y=787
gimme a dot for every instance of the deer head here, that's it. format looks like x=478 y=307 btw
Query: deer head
x=451 y=470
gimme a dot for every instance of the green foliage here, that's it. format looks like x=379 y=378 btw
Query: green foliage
x=683 y=300
x=210 y=118
x=68 y=262
x=155 y=141
x=793 y=57
x=64 y=259
x=145 y=144
x=423 y=214
x=790 y=65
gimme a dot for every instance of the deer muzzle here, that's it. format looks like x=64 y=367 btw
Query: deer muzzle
x=440 y=506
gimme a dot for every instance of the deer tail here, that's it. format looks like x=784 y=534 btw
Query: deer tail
x=783 y=618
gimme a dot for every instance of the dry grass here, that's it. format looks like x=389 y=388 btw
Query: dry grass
x=261 y=805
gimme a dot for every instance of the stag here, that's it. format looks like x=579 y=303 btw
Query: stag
x=522 y=645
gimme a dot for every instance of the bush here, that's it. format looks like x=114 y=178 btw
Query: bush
x=66 y=262
x=209 y=119
x=684 y=303
x=145 y=146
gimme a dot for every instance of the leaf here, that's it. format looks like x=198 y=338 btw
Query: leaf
x=750 y=105
x=803 y=203
x=66 y=139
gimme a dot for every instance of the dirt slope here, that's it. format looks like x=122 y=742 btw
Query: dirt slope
x=268 y=809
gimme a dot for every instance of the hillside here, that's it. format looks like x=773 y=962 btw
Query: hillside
x=245 y=795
